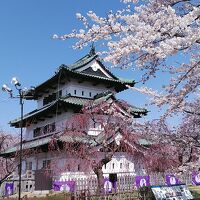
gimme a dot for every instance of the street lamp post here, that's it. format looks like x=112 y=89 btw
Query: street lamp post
x=21 y=96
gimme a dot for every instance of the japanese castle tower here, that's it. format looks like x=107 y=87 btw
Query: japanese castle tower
x=58 y=98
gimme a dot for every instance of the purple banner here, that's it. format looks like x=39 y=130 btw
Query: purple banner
x=9 y=189
x=142 y=181
x=196 y=178
x=172 y=180
x=68 y=186
x=109 y=186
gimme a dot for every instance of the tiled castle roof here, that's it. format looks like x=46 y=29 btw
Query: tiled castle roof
x=72 y=101
x=72 y=71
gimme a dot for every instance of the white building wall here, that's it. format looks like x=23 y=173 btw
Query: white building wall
x=75 y=89
x=50 y=91
x=87 y=88
x=120 y=163
x=60 y=121
x=84 y=90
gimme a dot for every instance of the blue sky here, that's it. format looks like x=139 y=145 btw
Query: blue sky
x=28 y=51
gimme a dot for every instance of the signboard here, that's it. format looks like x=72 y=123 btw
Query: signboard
x=142 y=181
x=196 y=178
x=68 y=186
x=9 y=189
x=171 y=180
x=175 y=192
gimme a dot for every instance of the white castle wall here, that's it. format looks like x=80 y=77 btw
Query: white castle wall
x=75 y=89
x=120 y=163
x=89 y=91
x=60 y=121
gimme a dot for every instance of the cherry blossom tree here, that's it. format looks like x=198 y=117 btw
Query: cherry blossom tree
x=150 y=36
x=155 y=36
x=189 y=135
x=163 y=153
x=100 y=130
x=7 y=164
x=179 y=145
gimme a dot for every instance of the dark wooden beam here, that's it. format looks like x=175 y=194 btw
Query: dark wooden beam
x=52 y=87
x=49 y=116
x=96 y=83
x=81 y=81
x=46 y=91
x=41 y=119
x=65 y=109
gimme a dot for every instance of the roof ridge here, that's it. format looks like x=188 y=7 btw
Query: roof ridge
x=82 y=61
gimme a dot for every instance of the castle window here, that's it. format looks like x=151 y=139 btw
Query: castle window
x=90 y=94
x=120 y=165
x=113 y=165
x=46 y=164
x=28 y=165
x=60 y=93
x=53 y=127
x=45 y=129
x=74 y=91
x=82 y=93
x=49 y=128
x=37 y=132
x=45 y=101
x=52 y=97
x=78 y=167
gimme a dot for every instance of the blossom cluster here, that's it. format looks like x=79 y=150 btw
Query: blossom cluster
x=146 y=34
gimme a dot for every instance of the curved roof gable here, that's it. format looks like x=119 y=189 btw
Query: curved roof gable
x=89 y=68
x=91 y=64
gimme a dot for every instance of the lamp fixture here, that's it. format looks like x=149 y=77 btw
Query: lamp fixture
x=21 y=97
x=15 y=81
x=5 y=88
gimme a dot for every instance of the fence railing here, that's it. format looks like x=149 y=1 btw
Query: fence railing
x=125 y=183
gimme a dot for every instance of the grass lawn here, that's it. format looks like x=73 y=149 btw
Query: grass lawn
x=55 y=196
x=195 y=190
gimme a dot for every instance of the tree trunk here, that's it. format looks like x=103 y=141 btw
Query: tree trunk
x=97 y=168
x=100 y=180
